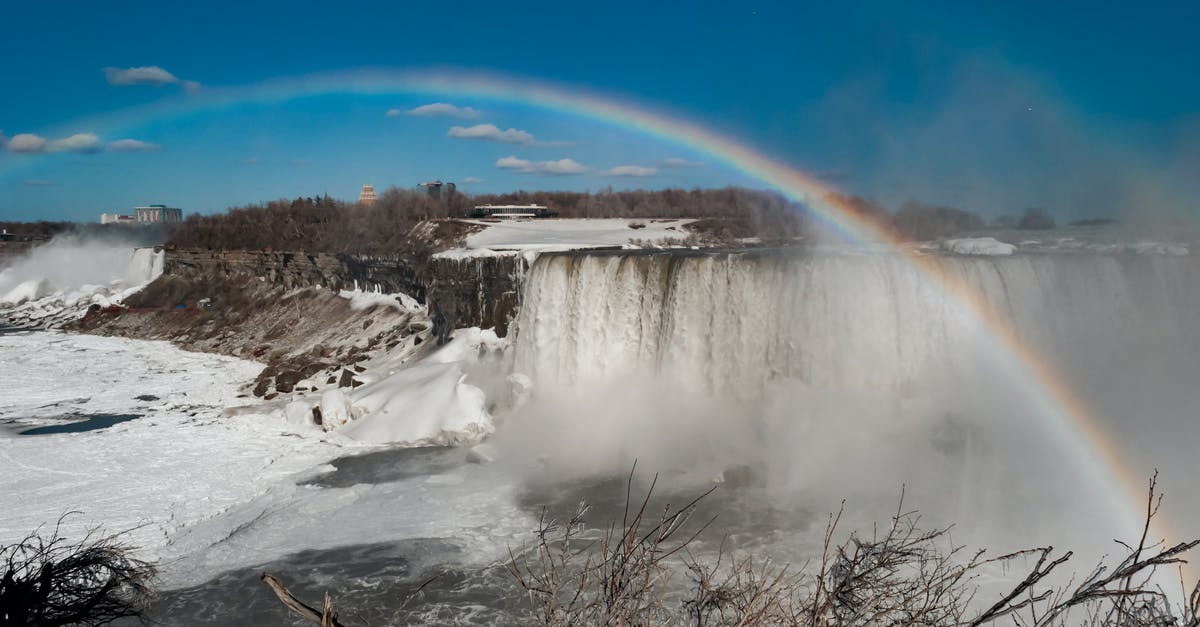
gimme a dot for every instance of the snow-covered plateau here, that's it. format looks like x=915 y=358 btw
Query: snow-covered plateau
x=534 y=236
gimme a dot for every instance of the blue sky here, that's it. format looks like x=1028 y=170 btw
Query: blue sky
x=1082 y=108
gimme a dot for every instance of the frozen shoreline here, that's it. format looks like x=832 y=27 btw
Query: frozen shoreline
x=181 y=462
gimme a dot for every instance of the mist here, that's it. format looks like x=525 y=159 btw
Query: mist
x=848 y=377
x=75 y=263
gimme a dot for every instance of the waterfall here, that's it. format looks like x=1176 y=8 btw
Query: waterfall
x=730 y=324
x=849 y=375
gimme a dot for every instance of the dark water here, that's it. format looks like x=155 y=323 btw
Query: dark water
x=89 y=423
x=376 y=584
x=389 y=465
x=431 y=580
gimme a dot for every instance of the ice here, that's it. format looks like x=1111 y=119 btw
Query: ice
x=978 y=246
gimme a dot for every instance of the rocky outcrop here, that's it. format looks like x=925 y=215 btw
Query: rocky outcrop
x=459 y=292
x=291 y=270
x=475 y=292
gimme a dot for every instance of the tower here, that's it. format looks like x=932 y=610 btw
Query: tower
x=367 y=195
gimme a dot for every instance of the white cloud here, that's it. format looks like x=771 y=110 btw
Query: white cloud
x=631 y=170
x=560 y=167
x=146 y=75
x=678 y=162
x=131 y=145
x=79 y=142
x=27 y=142
x=84 y=143
x=439 y=108
x=471 y=180
x=491 y=132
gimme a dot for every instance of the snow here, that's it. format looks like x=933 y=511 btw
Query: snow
x=428 y=402
x=203 y=488
x=335 y=409
x=181 y=462
x=556 y=235
x=364 y=299
x=978 y=246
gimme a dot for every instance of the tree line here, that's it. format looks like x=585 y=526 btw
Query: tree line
x=725 y=215
x=324 y=224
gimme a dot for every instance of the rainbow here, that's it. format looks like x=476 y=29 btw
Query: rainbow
x=1073 y=422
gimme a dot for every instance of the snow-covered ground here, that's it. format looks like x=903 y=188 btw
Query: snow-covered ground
x=181 y=462
x=203 y=489
x=549 y=235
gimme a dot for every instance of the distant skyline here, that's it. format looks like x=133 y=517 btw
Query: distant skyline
x=1083 y=109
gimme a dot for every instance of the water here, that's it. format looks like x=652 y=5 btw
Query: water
x=73 y=425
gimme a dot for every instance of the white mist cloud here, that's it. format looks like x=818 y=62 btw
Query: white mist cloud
x=679 y=162
x=146 y=75
x=438 y=108
x=27 y=142
x=471 y=180
x=491 y=132
x=132 y=145
x=559 y=167
x=630 y=170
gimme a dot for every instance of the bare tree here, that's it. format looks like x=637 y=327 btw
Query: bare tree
x=55 y=581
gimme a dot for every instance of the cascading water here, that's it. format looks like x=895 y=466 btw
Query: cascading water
x=839 y=374
x=730 y=323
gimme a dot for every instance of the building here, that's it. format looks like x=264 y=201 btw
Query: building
x=436 y=189
x=512 y=211
x=157 y=214
x=367 y=195
x=116 y=218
